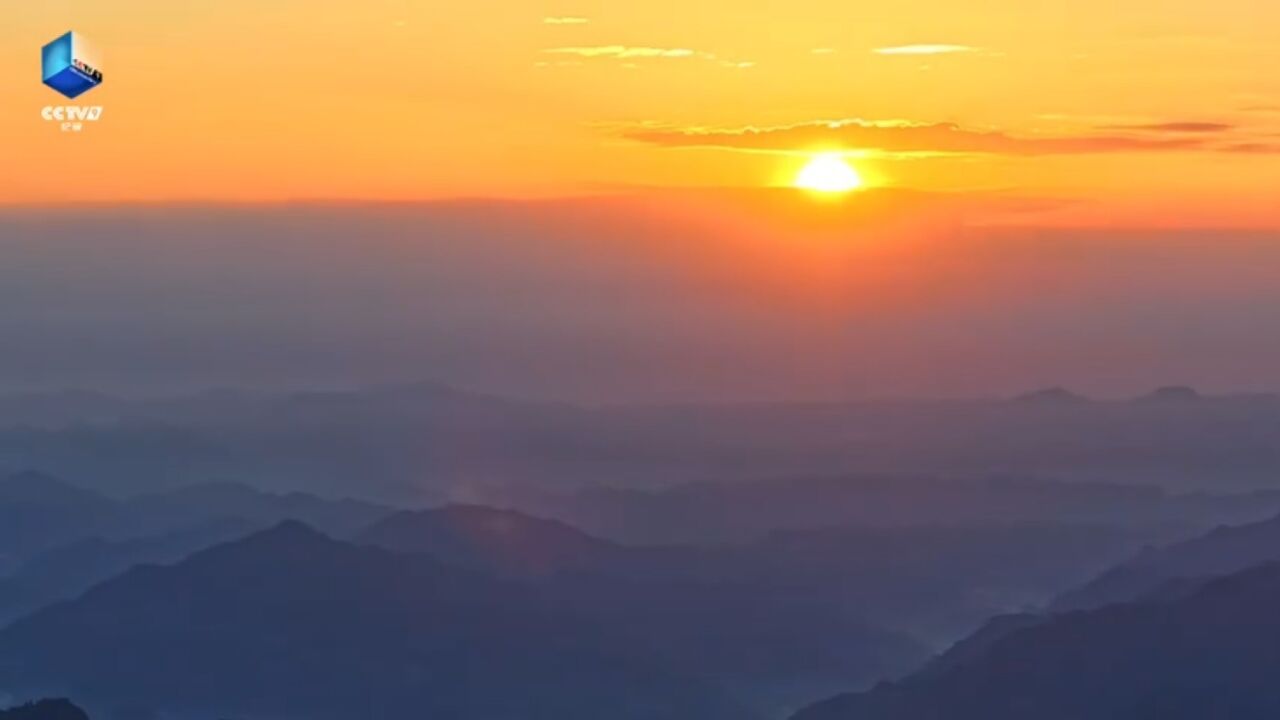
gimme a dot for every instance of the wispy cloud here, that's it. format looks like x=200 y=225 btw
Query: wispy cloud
x=622 y=51
x=565 y=20
x=924 y=49
x=1252 y=148
x=1174 y=127
x=899 y=137
x=628 y=52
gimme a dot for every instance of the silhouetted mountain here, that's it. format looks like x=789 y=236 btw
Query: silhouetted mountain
x=45 y=710
x=1156 y=575
x=1222 y=551
x=766 y=623
x=66 y=571
x=1207 y=654
x=34 y=489
x=772 y=647
x=203 y=503
x=935 y=583
x=500 y=541
x=1052 y=396
x=1173 y=394
x=38 y=512
x=290 y=623
x=62 y=408
x=976 y=645
x=58 y=540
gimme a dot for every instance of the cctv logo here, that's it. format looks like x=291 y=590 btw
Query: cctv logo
x=71 y=118
x=71 y=112
x=71 y=65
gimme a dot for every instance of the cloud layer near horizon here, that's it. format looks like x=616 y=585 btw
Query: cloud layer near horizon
x=611 y=299
x=910 y=137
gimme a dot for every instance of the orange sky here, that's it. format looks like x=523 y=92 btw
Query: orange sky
x=1160 y=108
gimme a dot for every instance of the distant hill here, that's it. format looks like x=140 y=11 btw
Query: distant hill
x=845 y=607
x=197 y=504
x=45 y=710
x=1208 y=653
x=736 y=511
x=1224 y=550
x=1172 y=394
x=976 y=645
x=36 y=489
x=743 y=618
x=38 y=512
x=784 y=618
x=770 y=639
x=40 y=515
x=501 y=541
x=66 y=571
x=428 y=443
x=288 y=622
x=1052 y=396
x=935 y=583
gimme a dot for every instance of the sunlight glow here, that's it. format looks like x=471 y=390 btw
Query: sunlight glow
x=828 y=173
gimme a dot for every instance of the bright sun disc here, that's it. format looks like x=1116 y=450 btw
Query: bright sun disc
x=828 y=173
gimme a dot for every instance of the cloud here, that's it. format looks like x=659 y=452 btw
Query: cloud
x=924 y=49
x=627 y=52
x=906 y=138
x=1251 y=148
x=565 y=20
x=622 y=51
x=1175 y=127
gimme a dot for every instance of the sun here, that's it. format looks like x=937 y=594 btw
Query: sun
x=828 y=173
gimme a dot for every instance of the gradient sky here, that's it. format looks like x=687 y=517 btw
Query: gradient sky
x=1145 y=108
x=1072 y=193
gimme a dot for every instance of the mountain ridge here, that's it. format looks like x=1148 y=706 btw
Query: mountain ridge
x=259 y=625
x=1207 y=653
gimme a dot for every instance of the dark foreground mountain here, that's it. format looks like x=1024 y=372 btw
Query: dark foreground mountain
x=1208 y=653
x=1222 y=551
x=45 y=710
x=290 y=623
